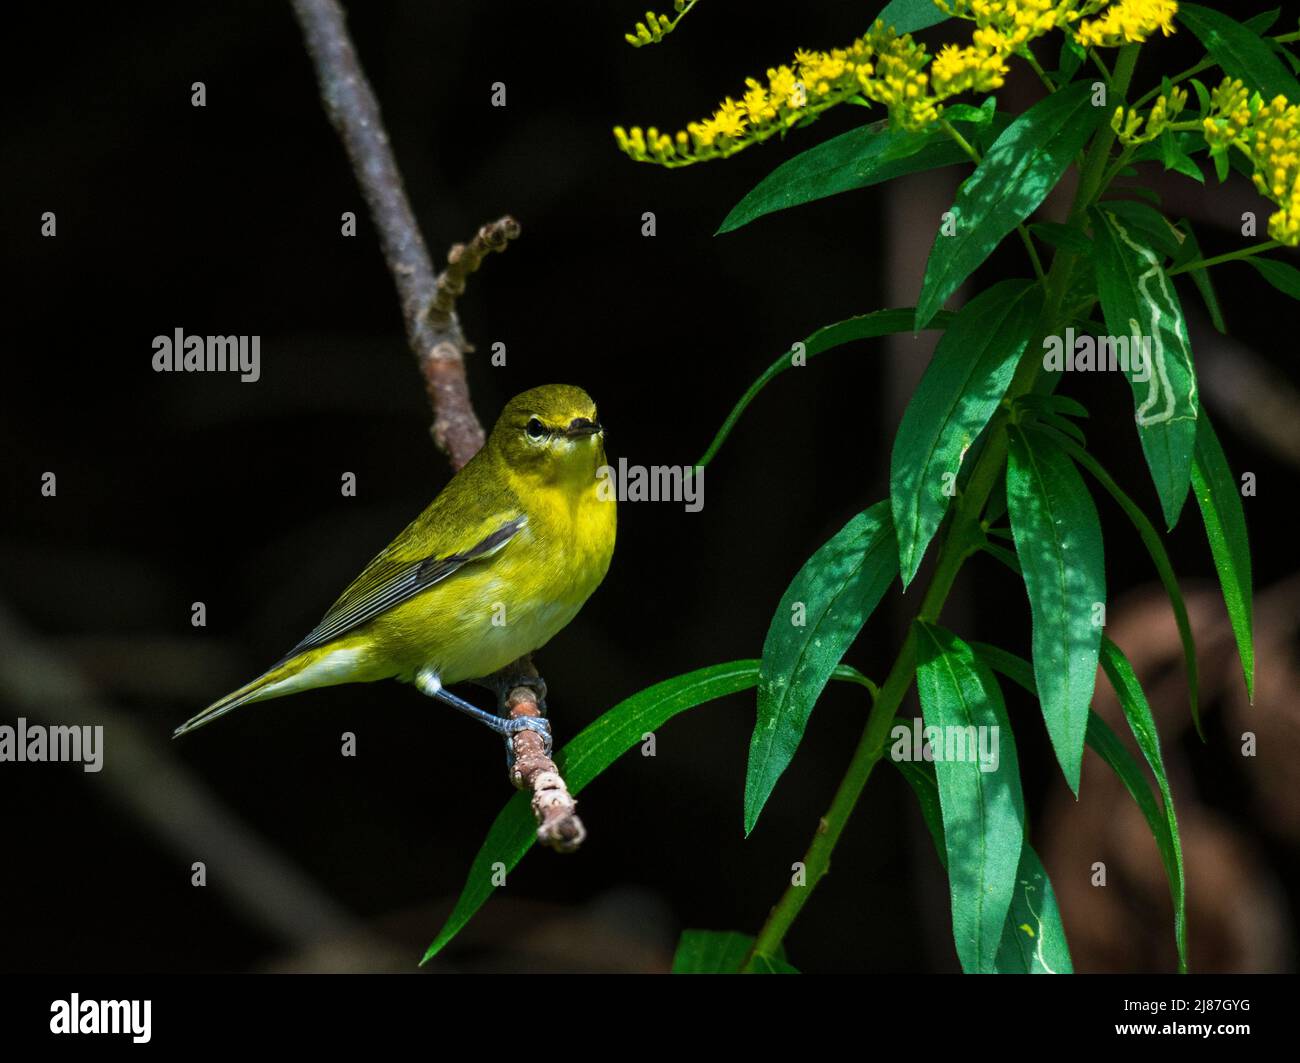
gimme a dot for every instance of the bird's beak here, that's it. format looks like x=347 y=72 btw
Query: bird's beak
x=580 y=427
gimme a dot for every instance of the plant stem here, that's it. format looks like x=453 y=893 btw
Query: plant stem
x=1121 y=161
x=1092 y=182
x=1191 y=71
x=1101 y=65
x=964 y=536
x=1231 y=256
x=1038 y=69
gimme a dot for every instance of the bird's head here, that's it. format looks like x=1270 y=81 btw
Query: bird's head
x=551 y=432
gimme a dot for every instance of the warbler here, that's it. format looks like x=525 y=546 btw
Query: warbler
x=499 y=562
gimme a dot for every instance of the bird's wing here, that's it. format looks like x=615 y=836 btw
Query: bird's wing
x=388 y=581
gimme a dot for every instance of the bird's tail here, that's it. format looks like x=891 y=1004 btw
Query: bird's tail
x=273 y=683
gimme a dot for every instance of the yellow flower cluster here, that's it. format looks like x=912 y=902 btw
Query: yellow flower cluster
x=891 y=69
x=814 y=82
x=969 y=69
x=1269 y=135
x=656 y=27
x=1275 y=150
x=1126 y=22
x=899 y=80
x=1229 y=115
x=1006 y=26
x=1128 y=123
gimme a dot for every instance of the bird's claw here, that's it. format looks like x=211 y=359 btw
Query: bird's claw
x=537 y=724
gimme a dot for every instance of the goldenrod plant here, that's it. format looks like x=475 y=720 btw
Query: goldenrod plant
x=990 y=461
x=656 y=27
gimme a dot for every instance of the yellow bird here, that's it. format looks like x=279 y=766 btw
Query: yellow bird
x=500 y=561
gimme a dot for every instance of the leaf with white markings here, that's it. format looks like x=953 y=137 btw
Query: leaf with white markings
x=1141 y=307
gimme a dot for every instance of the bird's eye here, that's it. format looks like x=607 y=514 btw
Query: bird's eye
x=535 y=429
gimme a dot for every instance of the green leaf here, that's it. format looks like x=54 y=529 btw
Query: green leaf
x=1175 y=157
x=908 y=16
x=1072 y=57
x=1106 y=745
x=1001 y=554
x=848 y=674
x=1068 y=427
x=921 y=778
x=1033 y=938
x=1018 y=171
x=860 y=158
x=1191 y=252
x=514 y=830
x=1219 y=496
x=1143 y=725
x=1202 y=98
x=983 y=810
x=820 y=614
x=980 y=116
x=1222 y=161
x=721 y=952
x=996 y=506
x=1164 y=568
x=1240 y=52
x=711 y=952
x=1009 y=664
x=1139 y=303
x=771 y=965
x=1058 y=538
x=959 y=393
x=1054 y=403
x=862 y=327
x=1284 y=278
x=1062 y=237
x=1263 y=22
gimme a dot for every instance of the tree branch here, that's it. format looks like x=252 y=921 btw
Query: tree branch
x=434 y=334
x=558 y=825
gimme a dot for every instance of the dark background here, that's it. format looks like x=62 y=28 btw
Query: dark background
x=176 y=488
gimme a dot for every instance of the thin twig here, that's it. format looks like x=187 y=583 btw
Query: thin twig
x=435 y=339
x=434 y=333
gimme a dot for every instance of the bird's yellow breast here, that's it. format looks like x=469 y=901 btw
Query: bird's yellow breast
x=494 y=611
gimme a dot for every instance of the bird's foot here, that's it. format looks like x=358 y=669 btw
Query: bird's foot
x=506 y=726
x=538 y=724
